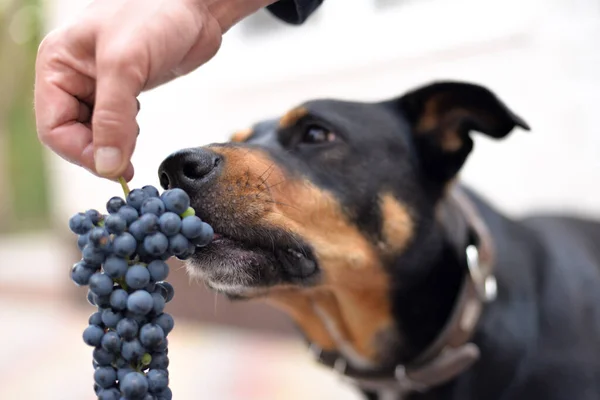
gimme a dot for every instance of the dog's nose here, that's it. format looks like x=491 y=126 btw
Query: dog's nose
x=188 y=168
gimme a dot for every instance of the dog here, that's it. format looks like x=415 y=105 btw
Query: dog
x=349 y=216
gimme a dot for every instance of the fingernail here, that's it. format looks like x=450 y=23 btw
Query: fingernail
x=108 y=160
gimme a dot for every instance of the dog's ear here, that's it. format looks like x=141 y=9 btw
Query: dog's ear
x=442 y=116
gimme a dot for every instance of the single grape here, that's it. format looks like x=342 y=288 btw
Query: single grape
x=102 y=301
x=166 y=394
x=80 y=275
x=159 y=270
x=109 y=394
x=127 y=328
x=158 y=380
x=163 y=347
x=178 y=244
x=170 y=292
x=191 y=227
x=156 y=244
x=169 y=223
x=149 y=223
x=103 y=357
x=151 y=335
x=189 y=252
x=114 y=205
x=159 y=361
x=136 y=197
x=115 y=224
x=124 y=245
x=137 y=230
x=111 y=318
x=105 y=377
x=101 y=284
x=153 y=205
x=166 y=322
x=151 y=191
x=80 y=224
x=94 y=216
x=134 y=385
x=82 y=240
x=140 y=302
x=92 y=255
x=158 y=303
x=132 y=350
x=92 y=335
x=150 y=287
x=129 y=214
x=111 y=342
x=96 y=319
x=115 y=267
x=176 y=200
x=118 y=299
x=137 y=277
x=121 y=372
x=205 y=237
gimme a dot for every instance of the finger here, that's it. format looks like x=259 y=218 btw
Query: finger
x=87 y=162
x=114 y=127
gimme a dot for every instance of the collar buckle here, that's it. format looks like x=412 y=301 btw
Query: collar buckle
x=485 y=285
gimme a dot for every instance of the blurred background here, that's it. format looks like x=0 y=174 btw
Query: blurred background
x=540 y=57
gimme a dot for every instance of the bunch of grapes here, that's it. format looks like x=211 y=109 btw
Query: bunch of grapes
x=123 y=264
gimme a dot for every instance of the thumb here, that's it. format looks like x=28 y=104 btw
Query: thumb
x=114 y=126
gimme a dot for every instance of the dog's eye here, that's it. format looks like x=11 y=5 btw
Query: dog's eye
x=316 y=134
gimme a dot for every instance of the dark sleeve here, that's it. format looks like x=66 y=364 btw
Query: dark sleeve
x=294 y=12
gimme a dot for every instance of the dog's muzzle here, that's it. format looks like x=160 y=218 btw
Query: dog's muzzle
x=189 y=169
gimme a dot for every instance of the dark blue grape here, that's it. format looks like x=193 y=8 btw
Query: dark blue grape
x=111 y=318
x=159 y=270
x=134 y=385
x=115 y=224
x=101 y=284
x=115 y=267
x=150 y=287
x=118 y=299
x=136 y=197
x=169 y=291
x=169 y=223
x=137 y=277
x=92 y=335
x=178 y=244
x=127 y=328
x=153 y=205
x=103 y=357
x=188 y=253
x=139 y=318
x=151 y=335
x=140 y=302
x=156 y=244
x=102 y=301
x=82 y=240
x=159 y=361
x=176 y=200
x=80 y=224
x=114 y=205
x=158 y=303
x=132 y=350
x=95 y=319
x=121 y=372
x=105 y=377
x=109 y=394
x=111 y=342
x=158 y=380
x=92 y=255
x=166 y=322
x=151 y=191
x=124 y=245
x=91 y=267
x=205 y=237
x=81 y=275
x=99 y=238
x=94 y=216
x=166 y=394
x=137 y=230
x=163 y=347
x=129 y=214
x=191 y=227
x=149 y=223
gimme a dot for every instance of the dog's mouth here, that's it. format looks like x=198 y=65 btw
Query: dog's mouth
x=248 y=265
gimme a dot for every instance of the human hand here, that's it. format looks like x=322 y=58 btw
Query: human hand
x=90 y=72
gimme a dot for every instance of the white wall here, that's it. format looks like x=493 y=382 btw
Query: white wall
x=540 y=56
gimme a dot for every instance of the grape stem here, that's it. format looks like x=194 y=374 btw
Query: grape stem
x=124 y=185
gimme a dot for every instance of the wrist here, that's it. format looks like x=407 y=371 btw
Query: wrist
x=230 y=12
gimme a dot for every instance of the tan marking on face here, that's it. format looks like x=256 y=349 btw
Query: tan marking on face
x=241 y=135
x=292 y=116
x=397 y=227
x=355 y=288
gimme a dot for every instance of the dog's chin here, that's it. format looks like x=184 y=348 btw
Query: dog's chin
x=241 y=270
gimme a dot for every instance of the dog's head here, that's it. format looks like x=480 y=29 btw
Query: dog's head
x=315 y=210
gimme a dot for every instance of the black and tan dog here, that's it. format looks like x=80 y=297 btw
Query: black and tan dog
x=346 y=215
